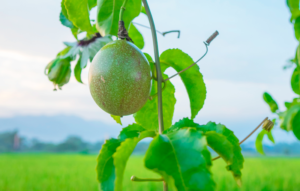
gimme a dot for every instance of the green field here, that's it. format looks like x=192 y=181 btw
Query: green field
x=45 y=172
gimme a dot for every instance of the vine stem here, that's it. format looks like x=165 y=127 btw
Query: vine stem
x=247 y=136
x=122 y=10
x=158 y=73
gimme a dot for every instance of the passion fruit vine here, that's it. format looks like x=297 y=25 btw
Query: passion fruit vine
x=120 y=78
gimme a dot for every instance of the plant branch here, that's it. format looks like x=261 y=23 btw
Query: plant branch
x=136 y=179
x=162 y=33
x=158 y=74
x=157 y=66
x=247 y=136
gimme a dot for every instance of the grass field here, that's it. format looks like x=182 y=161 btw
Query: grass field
x=48 y=172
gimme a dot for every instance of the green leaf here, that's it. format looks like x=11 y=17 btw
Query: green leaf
x=78 y=14
x=294 y=8
x=192 y=78
x=75 y=32
x=64 y=21
x=130 y=131
x=78 y=70
x=270 y=137
x=297 y=28
x=123 y=153
x=288 y=116
x=271 y=102
x=296 y=125
x=47 y=68
x=220 y=145
x=84 y=57
x=295 y=81
x=114 y=155
x=97 y=45
x=108 y=15
x=143 y=10
x=117 y=119
x=148 y=115
x=236 y=163
x=71 y=53
x=105 y=164
x=287 y=104
x=181 y=157
x=136 y=36
x=92 y=4
x=258 y=142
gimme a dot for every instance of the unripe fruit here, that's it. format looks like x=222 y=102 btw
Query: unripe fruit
x=120 y=78
x=59 y=72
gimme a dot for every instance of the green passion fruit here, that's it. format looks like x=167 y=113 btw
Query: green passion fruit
x=120 y=78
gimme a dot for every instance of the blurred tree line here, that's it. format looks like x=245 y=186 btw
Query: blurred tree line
x=12 y=142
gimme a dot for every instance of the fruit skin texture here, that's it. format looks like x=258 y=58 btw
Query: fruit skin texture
x=120 y=78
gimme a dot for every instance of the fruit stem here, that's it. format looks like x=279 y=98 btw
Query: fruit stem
x=158 y=73
x=122 y=10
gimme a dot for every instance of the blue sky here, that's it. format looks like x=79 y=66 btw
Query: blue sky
x=255 y=41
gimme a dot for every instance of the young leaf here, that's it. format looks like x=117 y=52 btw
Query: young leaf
x=136 y=36
x=78 y=70
x=258 y=142
x=295 y=81
x=270 y=137
x=181 y=157
x=84 y=57
x=105 y=164
x=108 y=15
x=236 y=163
x=147 y=116
x=78 y=14
x=271 y=102
x=296 y=125
x=117 y=119
x=192 y=78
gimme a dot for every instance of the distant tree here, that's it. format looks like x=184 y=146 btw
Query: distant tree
x=72 y=144
x=7 y=141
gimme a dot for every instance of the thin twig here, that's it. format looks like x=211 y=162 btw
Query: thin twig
x=136 y=179
x=246 y=137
